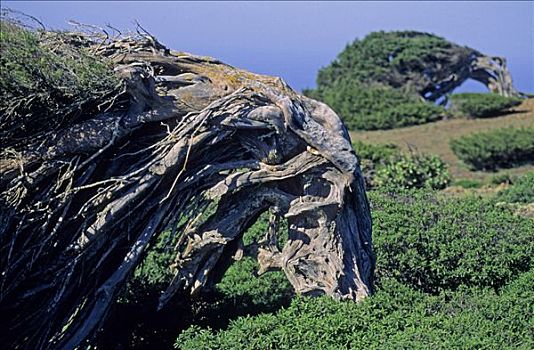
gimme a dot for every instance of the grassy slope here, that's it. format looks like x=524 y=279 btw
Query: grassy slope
x=434 y=137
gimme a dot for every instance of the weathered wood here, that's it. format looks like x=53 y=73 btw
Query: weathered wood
x=79 y=207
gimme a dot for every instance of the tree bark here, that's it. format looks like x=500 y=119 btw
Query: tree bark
x=80 y=207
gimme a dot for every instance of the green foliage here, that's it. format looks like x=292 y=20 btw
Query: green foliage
x=380 y=56
x=376 y=153
x=468 y=183
x=135 y=322
x=241 y=286
x=372 y=107
x=521 y=191
x=414 y=171
x=246 y=289
x=396 y=317
x=459 y=250
x=386 y=165
x=256 y=232
x=499 y=148
x=46 y=81
x=379 y=82
x=481 y=105
x=434 y=244
x=503 y=178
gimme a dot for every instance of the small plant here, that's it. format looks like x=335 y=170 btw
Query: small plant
x=499 y=179
x=520 y=191
x=499 y=148
x=386 y=165
x=376 y=153
x=246 y=290
x=468 y=183
x=414 y=171
x=481 y=105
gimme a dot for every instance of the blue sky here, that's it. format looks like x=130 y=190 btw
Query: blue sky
x=294 y=39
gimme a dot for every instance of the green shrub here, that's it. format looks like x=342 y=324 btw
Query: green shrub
x=468 y=183
x=397 y=317
x=437 y=243
x=481 y=105
x=46 y=81
x=376 y=153
x=242 y=287
x=520 y=191
x=385 y=165
x=504 y=178
x=135 y=322
x=245 y=289
x=499 y=148
x=382 y=80
x=414 y=171
x=372 y=107
x=391 y=58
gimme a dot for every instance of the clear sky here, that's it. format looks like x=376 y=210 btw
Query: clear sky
x=294 y=39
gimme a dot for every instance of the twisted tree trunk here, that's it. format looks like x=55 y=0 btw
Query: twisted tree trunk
x=79 y=207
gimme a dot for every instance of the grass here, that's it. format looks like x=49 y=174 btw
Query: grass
x=434 y=138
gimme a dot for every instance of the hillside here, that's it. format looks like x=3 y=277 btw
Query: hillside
x=434 y=138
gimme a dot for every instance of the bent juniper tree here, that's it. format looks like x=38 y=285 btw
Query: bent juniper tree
x=417 y=62
x=189 y=144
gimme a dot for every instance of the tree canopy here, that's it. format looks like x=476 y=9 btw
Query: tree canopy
x=383 y=80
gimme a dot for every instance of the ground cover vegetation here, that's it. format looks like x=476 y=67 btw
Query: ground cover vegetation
x=498 y=148
x=477 y=105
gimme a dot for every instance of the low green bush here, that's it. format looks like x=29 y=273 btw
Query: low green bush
x=498 y=148
x=468 y=183
x=436 y=243
x=520 y=191
x=240 y=285
x=373 y=107
x=256 y=232
x=386 y=165
x=414 y=171
x=396 y=317
x=498 y=179
x=245 y=289
x=376 y=153
x=477 y=105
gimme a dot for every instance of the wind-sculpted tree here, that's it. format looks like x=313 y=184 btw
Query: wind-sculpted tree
x=186 y=143
x=418 y=62
x=393 y=79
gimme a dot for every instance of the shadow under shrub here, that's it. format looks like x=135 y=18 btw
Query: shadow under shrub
x=476 y=105
x=499 y=148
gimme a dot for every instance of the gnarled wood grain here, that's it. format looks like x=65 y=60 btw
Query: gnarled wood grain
x=79 y=207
